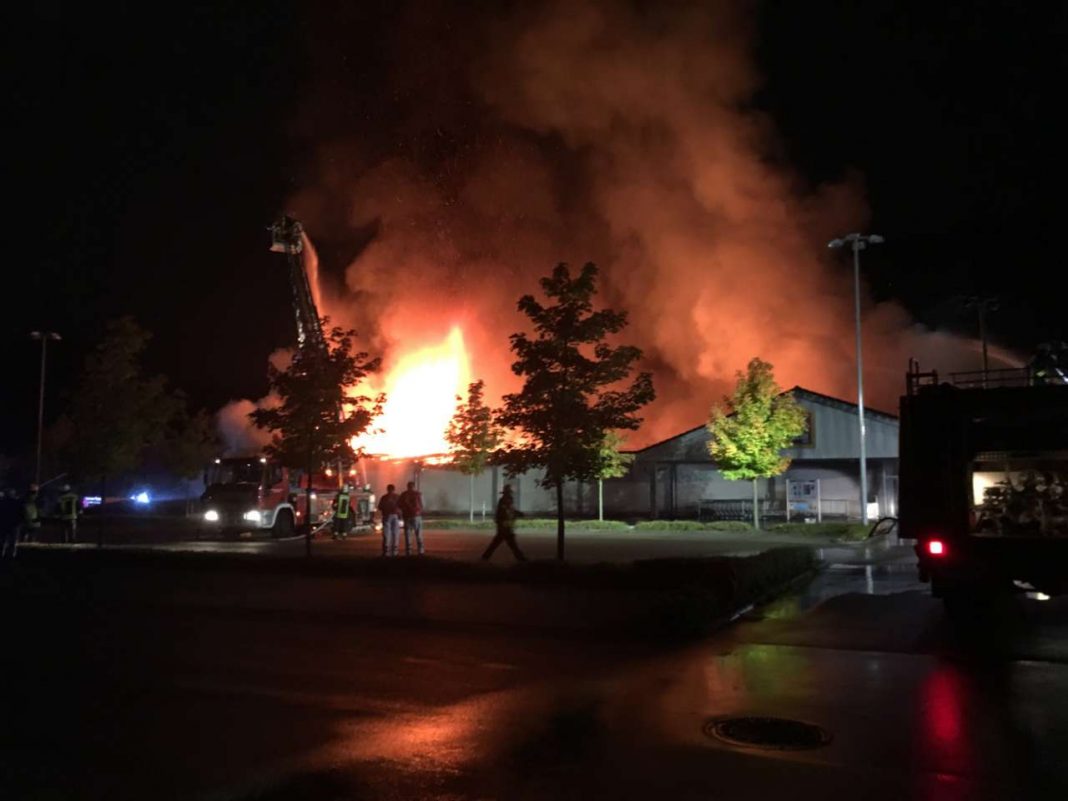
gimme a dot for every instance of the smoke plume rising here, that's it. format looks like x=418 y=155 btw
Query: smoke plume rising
x=615 y=132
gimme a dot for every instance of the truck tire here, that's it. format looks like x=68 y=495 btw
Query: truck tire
x=283 y=525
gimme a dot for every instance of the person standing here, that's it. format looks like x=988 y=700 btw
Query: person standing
x=505 y=519
x=342 y=513
x=411 y=506
x=31 y=516
x=10 y=519
x=68 y=514
x=389 y=507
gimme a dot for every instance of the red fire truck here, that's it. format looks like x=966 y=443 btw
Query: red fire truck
x=984 y=482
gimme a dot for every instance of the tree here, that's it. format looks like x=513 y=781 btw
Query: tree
x=319 y=413
x=473 y=436
x=750 y=433
x=574 y=388
x=117 y=412
x=614 y=464
x=191 y=441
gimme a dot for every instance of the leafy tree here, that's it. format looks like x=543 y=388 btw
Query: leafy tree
x=614 y=464
x=317 y=418
x=191 y=441
x=117 y=411
x=574 y=388
x=750 y=433
x=473 y=436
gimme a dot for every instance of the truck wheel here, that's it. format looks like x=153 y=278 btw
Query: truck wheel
x=283 y=525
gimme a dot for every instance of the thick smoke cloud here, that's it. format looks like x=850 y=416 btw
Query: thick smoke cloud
x=606 y=131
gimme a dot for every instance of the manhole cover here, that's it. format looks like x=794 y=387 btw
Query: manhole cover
x=776 y=733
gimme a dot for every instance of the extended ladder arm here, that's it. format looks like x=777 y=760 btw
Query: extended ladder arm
x=287 y=236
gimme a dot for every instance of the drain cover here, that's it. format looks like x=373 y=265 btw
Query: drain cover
x=774 y=733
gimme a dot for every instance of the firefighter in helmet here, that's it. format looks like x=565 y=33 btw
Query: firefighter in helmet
x=31 y=515
x=68 y=514
x=342 y=505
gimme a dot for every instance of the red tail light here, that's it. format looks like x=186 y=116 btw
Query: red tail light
x=936 y=548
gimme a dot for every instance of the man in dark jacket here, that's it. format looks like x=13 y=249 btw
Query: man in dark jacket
x=505 y=518
x=389 y=508
x=411 y=506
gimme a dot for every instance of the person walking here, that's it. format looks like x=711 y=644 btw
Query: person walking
x=31 y=515
x=505 y=519
x=389 y=507
x=68 y=514
x=342 y=513
x=10 y=521
x=411 y=506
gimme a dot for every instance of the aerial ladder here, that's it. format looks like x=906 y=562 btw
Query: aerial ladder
x=287 y=236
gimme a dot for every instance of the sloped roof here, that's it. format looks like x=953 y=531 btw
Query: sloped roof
x=798 y=392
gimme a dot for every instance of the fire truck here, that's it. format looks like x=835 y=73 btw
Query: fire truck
x=984 y=482
x=258 y=493
x=252 y=493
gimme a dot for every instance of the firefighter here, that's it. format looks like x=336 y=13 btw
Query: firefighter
x=342 y=512
x=365 y=506
x=68 y=514
x=31 y=515
x=1050 y=364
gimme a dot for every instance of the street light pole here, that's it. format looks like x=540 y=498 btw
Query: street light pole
x=44 y=337
x=859 y=242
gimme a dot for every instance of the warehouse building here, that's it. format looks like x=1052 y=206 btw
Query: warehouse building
x=677 y=479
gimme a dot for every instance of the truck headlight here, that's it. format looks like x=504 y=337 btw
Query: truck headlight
x=211 y=516
x=252 y=516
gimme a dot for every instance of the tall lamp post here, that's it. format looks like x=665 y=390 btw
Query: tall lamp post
x=859 y=242
x=44 y=337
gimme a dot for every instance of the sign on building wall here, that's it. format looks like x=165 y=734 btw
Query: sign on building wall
x=803 y=499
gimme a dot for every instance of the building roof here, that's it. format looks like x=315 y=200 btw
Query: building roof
x=801 y=394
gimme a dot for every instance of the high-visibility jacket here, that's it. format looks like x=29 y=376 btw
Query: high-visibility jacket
x=31 y=515
x=342 y=510
x=68 y=506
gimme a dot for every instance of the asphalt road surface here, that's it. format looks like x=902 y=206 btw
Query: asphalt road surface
x=465 y=544
x=150 y=702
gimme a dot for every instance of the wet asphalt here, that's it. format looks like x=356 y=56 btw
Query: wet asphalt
x=157 y=702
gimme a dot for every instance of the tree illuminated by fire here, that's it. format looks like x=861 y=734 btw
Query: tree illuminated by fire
x=575 y=386
x=473 y=436
x=321 y=409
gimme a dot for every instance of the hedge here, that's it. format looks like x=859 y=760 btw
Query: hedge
x=528 y=523
x=693 y=525
x=850 y=532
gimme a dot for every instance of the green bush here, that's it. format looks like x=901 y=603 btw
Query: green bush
x=530 y=524
x=693 y=525
x=850 y=532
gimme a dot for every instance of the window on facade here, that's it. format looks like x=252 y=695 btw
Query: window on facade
x=808 y=439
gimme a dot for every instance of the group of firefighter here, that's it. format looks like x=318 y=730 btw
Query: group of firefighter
x=21 y=517
x=407 y=508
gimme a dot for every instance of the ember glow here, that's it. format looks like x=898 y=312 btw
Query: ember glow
x=421 y=390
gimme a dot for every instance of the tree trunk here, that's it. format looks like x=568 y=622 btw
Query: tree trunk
x=756 y=510
x=600 y=499
x=471 y=515
x=308 y=514
x=560 y=520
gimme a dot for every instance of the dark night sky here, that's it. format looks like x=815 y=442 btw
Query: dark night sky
x=151 y=148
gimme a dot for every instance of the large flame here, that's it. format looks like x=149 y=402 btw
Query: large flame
x=421 y=391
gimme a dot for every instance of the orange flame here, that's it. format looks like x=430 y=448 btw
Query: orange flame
x=421 y=392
